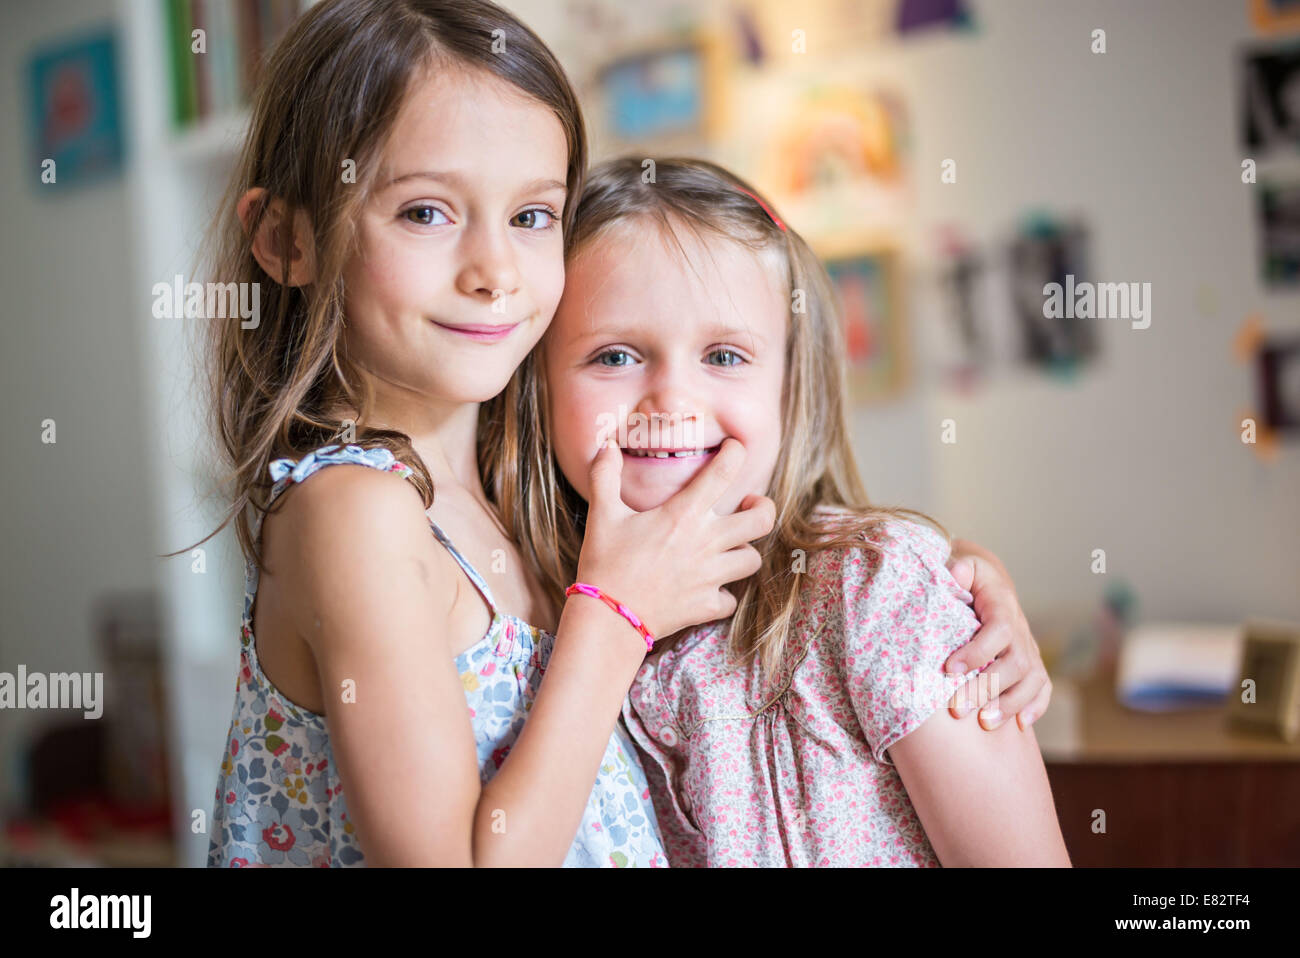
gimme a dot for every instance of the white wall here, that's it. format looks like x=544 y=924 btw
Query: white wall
x=78 y=517
x=1141 y=456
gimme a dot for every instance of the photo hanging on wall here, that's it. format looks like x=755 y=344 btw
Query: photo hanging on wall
x=866 y=275
x=76 y=127
x=1051 y=254
x=666 y=96
x=1270 y=100
x=1279 y=233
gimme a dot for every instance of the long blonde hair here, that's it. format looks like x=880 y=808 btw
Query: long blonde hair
x=816 y=467
x=329 y=92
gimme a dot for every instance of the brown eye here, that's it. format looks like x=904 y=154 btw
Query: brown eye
x=425 y=216
x=534 y=219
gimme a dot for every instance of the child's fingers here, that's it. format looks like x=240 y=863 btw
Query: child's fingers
x=606 y=477
x=754 y=519
x=712 y=481
x=736 y=564
x=1007 y=686
x=972 y=695
x=963 y=570
x=998 y=612
x=1032 y=712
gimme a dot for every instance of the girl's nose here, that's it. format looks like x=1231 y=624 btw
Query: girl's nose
x=488 y=269
x=669 y=403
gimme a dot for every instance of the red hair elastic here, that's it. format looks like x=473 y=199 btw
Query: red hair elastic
x=617 y=606
x=753 y=196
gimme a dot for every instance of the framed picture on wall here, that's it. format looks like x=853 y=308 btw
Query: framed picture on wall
x=1279 y=384
x=664 y=96
x=865 y=271
x=76 y=129
x=1275 y=16
x=1270 y=107
x=1279 y=231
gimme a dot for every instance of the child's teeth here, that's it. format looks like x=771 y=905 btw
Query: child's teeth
x=664 y=454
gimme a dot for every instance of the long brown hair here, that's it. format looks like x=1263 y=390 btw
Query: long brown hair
x=816 y=468
x=329 y=93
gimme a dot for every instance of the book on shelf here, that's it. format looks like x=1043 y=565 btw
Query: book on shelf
x=217 y=76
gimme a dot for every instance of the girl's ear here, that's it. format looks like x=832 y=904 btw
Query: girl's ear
x=278 y=249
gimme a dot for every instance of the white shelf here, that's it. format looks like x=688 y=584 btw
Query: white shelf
x=216 y=137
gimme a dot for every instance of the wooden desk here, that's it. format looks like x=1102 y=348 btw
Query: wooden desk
x=1178 y=789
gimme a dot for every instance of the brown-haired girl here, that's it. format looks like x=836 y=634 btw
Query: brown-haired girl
x=402 y=199
x=806 y=728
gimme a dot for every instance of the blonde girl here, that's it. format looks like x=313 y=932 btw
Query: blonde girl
x=805 y=728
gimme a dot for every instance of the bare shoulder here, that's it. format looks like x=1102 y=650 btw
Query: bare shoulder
x=356 y=537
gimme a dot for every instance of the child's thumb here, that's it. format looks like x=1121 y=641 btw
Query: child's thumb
x=607 y=475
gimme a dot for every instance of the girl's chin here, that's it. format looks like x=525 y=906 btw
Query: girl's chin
x=643 y=500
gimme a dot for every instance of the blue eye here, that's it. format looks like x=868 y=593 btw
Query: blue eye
x=530 y=218
x=426 y=215
x=614 y=352
x=727 y=352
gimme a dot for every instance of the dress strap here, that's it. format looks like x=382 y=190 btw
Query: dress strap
x=470 y=571
x=285 y=472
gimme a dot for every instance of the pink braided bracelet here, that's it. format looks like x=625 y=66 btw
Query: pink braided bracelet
x=617 y=606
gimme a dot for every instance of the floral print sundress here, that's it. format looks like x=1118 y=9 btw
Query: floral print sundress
x=279 y=800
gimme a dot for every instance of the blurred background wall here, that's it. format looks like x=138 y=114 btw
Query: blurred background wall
x=1131 y=444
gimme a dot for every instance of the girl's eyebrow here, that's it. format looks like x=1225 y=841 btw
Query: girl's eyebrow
x=456 y=180
x=713 y=332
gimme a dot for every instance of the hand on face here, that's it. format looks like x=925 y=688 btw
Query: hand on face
x=668 y=351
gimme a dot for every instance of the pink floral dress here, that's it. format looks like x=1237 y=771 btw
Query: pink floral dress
x=796 y=771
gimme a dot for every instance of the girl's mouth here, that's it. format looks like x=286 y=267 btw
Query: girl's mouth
x=670 y=455
x=481 y=333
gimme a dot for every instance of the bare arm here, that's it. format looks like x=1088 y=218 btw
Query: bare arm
x=983 y=797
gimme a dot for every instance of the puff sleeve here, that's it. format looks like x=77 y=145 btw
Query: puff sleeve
x=904 y=615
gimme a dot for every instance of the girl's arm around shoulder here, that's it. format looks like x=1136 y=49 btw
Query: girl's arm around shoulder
x=366 y=590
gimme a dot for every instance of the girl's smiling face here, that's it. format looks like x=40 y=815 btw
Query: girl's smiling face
x=460 y=263
x=667 y=348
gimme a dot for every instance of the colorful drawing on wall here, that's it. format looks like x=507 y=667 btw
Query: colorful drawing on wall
x=1275 y=16
x=923 y=14
x=1270 y=99
x=1050 y=251
x=662 y=96
x=867 y=287
x=838 y=135
x=1279 y=233
x=1279 y=384
x=74 y=109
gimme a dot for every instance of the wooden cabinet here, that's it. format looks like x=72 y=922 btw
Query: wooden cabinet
x=1177 y=790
